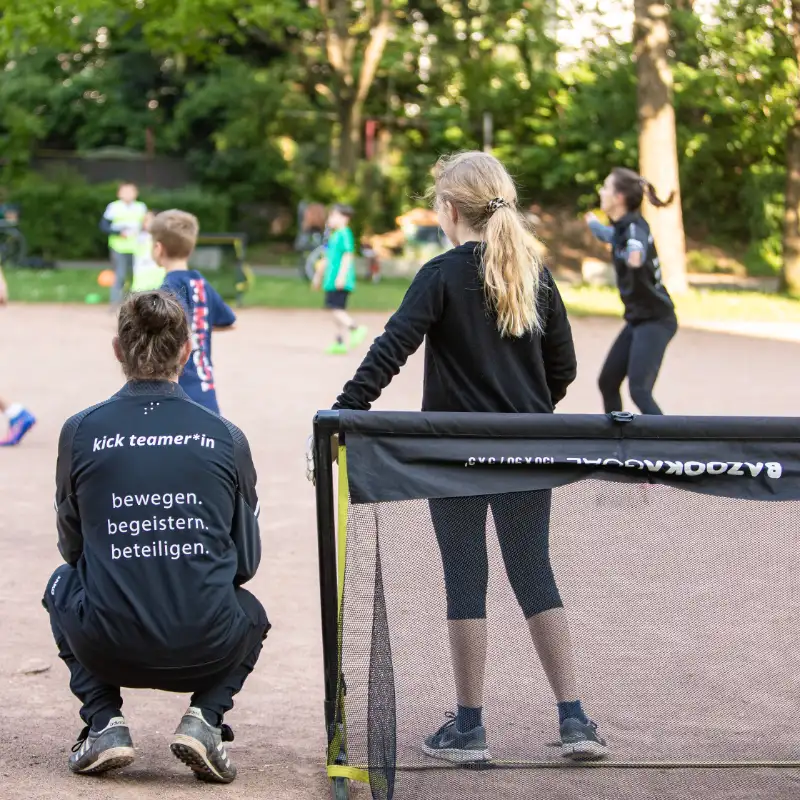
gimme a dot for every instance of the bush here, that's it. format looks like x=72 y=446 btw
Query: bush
x=60 y=215
x=699 y=261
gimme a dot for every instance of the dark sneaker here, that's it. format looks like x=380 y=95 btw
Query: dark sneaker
x=580 y=741
x=449 y=744
x=201 y=747
x=97 y=752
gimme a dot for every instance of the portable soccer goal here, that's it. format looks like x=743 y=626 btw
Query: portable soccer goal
x=675 y=544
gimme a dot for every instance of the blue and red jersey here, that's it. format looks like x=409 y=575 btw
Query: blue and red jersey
x=205 y=310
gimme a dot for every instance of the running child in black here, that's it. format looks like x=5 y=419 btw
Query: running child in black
x=157 y=518
x=649 y=312
x=497 y=339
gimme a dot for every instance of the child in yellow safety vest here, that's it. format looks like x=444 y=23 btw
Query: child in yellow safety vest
x=123 y=221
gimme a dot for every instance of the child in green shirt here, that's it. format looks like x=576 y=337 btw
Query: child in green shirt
x=337 y=276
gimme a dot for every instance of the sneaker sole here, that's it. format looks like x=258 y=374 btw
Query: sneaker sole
x=194 y=755
x=584 y=751
x=113 y=758
x=457 y=756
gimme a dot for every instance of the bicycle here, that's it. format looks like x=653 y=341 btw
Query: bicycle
x=310 y=262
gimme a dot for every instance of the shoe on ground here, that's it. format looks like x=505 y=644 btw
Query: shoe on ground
x=337 y=349
x=17 y=428
x=357 y=335
x=581 y=742
x=450 y=744
x=97 y=752
x=202 y=748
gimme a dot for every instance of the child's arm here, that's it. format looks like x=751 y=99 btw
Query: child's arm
x=405 y=331
x=68 y=519
x=344 y=267
x=346 y=263
x=3 y=289
x=320 y=271
x=109 y=227
x=605 y=233
x=222 y=315
x=220 y=328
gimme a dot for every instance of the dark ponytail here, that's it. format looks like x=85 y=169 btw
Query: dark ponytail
x=152 y=331
x=633 y=187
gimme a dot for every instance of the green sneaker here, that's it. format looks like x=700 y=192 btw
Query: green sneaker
x=337 y=349
x=358 y=335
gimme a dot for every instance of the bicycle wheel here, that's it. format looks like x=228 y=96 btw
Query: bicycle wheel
x=308 y=267
x=13 y=248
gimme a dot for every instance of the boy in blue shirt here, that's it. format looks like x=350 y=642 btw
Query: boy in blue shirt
x=174 y=238
x=337 y=275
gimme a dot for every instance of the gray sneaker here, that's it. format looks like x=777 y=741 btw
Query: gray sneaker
x=450 y=744
x=97 y=752
x=201 y=747
x=580 y=741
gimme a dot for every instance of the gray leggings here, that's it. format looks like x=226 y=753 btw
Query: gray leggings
x=522 y=520
x=123 y=271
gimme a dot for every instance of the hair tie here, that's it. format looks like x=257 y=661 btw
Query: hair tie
x=493 y=205
x=643 y=182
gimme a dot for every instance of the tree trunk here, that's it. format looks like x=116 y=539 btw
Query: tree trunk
x=349 y=137
x=353 y=81
x=790 y=269
x=658 y=147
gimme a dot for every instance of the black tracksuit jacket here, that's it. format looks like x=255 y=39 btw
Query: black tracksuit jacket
x=158 y=512
x=469 y=366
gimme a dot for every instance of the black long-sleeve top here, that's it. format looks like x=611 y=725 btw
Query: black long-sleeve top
x=157 y=509
x=640 y=288
x=469 y=366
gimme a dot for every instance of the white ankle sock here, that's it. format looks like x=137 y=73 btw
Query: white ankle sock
x=14 y=410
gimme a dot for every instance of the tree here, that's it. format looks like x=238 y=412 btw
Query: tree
x=790 y=272
x=755 y=55
x=658 y=148
x=354 y=44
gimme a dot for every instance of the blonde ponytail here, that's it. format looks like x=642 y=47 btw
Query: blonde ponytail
x=511 y=273
x=484 y=194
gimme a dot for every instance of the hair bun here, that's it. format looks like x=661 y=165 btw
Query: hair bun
x=152 y=311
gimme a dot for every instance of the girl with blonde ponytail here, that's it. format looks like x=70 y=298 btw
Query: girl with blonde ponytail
x=510 y=260
x=497 y=339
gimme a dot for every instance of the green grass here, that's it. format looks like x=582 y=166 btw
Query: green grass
x=707 y=305
x=273 y=255
x=294 y=293
x=52 y=286
x=72 y=286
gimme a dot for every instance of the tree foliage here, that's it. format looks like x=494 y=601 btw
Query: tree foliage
x=271 y=102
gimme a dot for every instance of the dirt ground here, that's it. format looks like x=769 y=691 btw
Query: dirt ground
x=272 y=377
